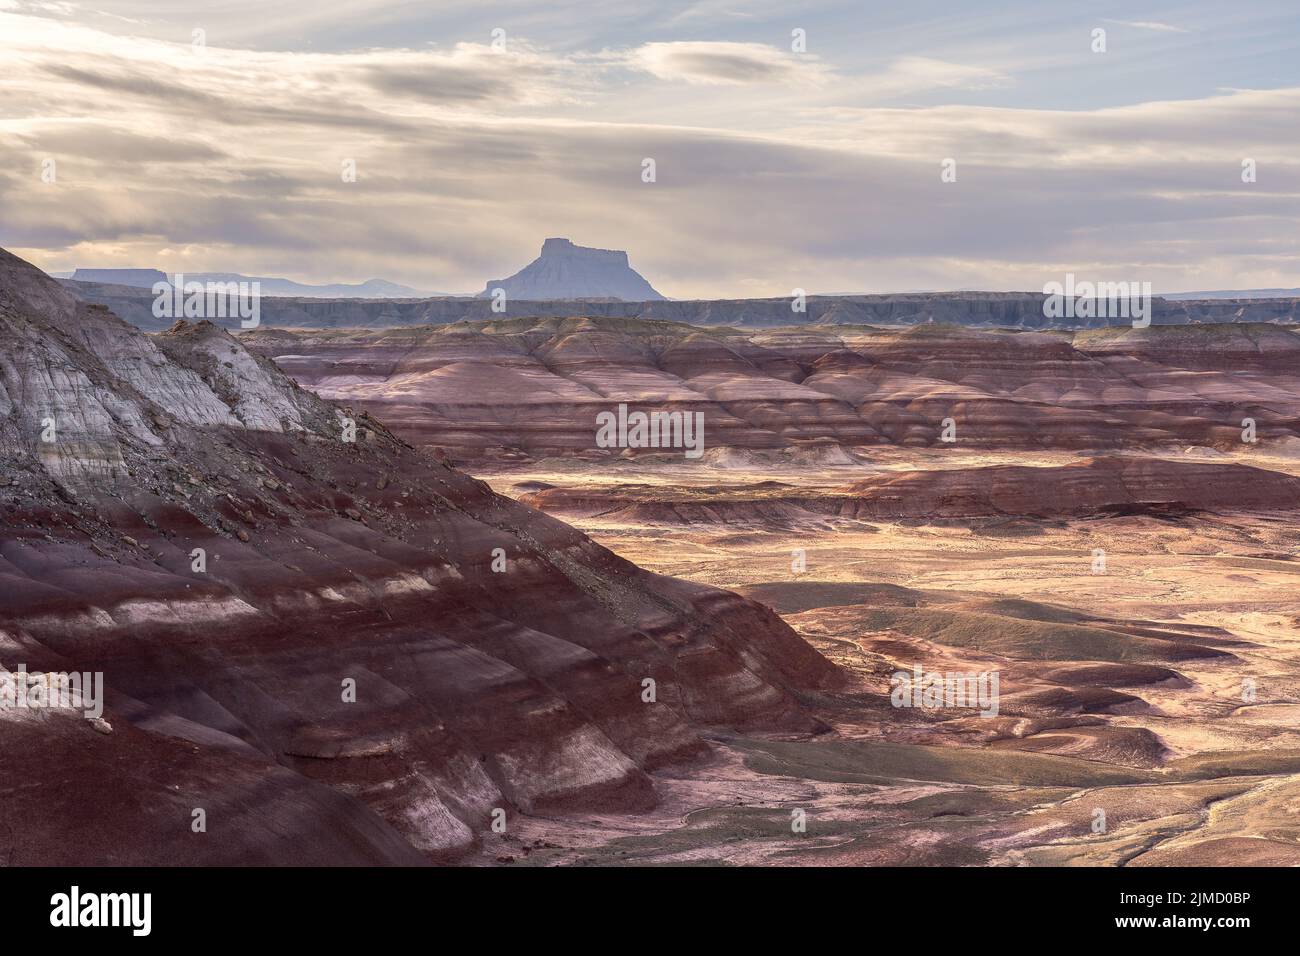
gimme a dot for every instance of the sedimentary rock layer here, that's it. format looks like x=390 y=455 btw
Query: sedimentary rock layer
x=1100 y=486
x=533 y=387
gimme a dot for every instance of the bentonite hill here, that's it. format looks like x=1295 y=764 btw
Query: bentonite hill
x=498 y=656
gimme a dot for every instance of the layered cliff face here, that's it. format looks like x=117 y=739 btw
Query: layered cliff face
x=564 y=271
x=1099 y=487
x=341 y=650
x=1115 y=485
x=1013 y=310
x=530 y=388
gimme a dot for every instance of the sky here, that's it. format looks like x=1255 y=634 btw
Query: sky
x=794 y=145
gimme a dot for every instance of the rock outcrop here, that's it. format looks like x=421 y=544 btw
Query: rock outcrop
x=340 y=648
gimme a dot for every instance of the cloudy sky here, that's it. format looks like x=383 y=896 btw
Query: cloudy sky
x=192 y=136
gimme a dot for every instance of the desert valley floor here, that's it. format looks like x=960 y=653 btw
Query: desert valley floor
x=1122 y=689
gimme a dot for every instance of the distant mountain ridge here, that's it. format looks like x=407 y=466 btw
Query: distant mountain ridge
x=1236 y=294
x=567 y=271
x=270 y=285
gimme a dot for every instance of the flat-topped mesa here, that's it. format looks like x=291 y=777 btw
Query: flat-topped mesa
x=568 y=271
x=137 y=278
x=555 y=247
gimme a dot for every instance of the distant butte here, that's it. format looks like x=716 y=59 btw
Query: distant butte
x=566 y=271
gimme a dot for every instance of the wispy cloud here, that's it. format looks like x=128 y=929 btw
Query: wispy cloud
x=712 y=62
x=1147 y=25
x=914 y=74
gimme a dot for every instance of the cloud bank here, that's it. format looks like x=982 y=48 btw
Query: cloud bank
x=775 y=169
